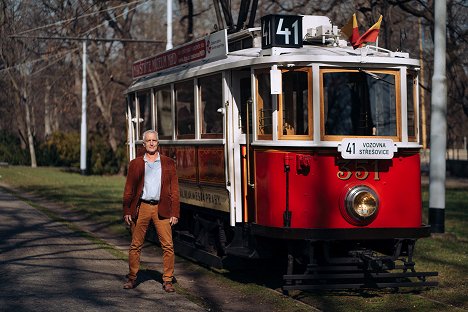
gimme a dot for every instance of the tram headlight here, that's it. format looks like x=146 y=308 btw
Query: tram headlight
x=362 y=204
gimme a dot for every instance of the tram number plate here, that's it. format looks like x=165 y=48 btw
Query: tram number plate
x=356 y=148
x=281 y=31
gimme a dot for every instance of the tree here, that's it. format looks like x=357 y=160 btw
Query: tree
x=17 y=58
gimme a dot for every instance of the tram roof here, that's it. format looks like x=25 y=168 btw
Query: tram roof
x=368 y=57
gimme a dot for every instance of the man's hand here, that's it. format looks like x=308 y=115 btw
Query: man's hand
x=128 y=219
x=173 y=221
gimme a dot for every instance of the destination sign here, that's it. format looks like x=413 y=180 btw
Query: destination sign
x=209 y=48
x=281 y=31
x=357 y=148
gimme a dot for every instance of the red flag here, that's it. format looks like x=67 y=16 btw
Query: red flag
x=351 y=30
x=370 y=35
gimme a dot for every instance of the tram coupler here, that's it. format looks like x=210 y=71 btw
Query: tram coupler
x=373 y=262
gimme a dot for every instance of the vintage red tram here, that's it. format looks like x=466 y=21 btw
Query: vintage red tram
x=285 y=138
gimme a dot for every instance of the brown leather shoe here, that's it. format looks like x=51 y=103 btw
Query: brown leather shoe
x=129 y=284
x=167 y=286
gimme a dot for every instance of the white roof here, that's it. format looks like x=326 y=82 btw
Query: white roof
x=335 y=56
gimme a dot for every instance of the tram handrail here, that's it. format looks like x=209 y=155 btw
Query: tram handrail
x=247 y=141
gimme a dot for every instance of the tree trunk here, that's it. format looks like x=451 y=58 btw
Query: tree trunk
x=32 y=150
x=47 y=111
x=104 y=106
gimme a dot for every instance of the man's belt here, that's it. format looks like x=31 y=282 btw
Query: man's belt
x=150 y=202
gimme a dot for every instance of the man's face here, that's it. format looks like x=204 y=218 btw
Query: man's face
x=151 y=143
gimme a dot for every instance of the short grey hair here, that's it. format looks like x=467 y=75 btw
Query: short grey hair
x=150 y=131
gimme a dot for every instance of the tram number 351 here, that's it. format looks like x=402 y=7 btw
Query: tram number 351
x=281 y=31
x=360 y=168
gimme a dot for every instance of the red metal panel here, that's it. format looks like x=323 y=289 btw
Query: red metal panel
x=319 y=182
x=186 y=163
x=211 y=164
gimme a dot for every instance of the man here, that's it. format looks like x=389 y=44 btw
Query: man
x=151 y=193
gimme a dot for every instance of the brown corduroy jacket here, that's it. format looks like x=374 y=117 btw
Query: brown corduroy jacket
x=169 y=205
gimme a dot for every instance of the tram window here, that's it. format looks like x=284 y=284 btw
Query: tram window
x=211 y=99
x=264 y=106
x=296 y=105
x=162 y=99
x=184 y=103
x=144 y=103
x=411 y=85
x=360 y=103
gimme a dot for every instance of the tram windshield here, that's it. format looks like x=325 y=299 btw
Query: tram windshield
x=360 y=103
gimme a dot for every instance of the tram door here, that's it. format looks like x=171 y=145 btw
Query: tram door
x=242 y=93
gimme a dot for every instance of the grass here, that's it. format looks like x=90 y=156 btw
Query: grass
x=99 y=197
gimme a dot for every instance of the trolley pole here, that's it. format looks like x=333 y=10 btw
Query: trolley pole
x=437 y=173
x=83 y=116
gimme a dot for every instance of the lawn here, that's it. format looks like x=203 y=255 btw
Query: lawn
x=99 y=197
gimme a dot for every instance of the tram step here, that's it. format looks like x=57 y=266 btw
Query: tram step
x=358 y=280
x=242 y=252
x=191 y=252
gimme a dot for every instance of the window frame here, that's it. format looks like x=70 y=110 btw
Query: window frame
x=189 y=136
x=259 y=103
x=309 y=136
x=167 y=87
x=415 y=94
x=201 y=115
x=139 y=129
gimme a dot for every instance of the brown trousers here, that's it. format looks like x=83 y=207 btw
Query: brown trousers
x=163 y=228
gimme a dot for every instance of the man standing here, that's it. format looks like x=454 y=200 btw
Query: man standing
x=151 y=193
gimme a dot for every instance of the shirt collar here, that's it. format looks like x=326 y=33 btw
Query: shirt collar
x=158 y=158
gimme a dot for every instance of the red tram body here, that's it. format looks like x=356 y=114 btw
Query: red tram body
x=316 y=197
x=287 y=140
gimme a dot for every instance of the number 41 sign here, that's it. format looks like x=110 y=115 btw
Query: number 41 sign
x=281 y=31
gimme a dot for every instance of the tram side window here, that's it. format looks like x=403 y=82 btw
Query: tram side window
x=411 y=85
x=264 y=106
x=144 y=103
x=295 y=103
x=359 y=103
x=164 y=117
x=211 y=100
x=184 y=105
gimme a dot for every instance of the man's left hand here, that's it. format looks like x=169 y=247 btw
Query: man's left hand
x=173 y=221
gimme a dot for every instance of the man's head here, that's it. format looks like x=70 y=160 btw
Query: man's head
x=150 y=141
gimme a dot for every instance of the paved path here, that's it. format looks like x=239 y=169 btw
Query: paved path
x=44 y=266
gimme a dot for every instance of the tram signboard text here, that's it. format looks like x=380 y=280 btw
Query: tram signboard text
x=357 y=148
x=281 y=31
x=211 y=47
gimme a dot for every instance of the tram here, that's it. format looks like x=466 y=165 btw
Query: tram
x=289 y=142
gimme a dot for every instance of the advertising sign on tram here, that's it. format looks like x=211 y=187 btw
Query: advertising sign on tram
x=211 y=47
